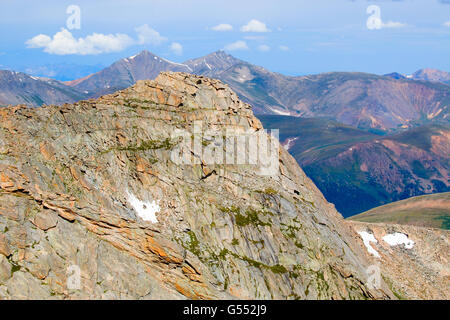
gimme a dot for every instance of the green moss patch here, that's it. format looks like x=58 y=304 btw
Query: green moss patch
x=251 y=217
x=257 y=264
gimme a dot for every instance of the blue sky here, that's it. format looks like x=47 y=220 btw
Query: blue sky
x=292 y=37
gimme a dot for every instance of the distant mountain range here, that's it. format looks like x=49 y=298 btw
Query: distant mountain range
x=60 y=71
x=124 y=73
x=432 y=75
x=361 y=100
x=358 y=99
x=20 y=88
x=358 y=170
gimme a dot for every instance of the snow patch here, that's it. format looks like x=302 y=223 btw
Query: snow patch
x=145 y=210
x=290 y=143
x=177 y=64
x=280 y=112
x=367 y=239
x=395 y=239
x=209 y=67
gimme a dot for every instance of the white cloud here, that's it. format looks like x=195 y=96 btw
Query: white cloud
x=255 y=26
x=284 y=48
x=238 y=45
x=392 y=24
x=176 y=48
x=374 y=21
x=41 y=40
x=147 y=35
x=263 y=47
x=223 y=27
x=64 y=43
x=447 y=24
x=254 y=38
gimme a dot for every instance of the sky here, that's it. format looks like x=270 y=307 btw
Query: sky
x=293 y=37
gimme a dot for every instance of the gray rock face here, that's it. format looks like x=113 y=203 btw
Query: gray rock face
x=93 y=205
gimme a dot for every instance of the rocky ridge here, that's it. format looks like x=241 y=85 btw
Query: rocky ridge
x=70 y=178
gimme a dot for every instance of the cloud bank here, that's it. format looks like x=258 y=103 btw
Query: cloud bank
x=263 y=48
x=176 y=48
x=64 y=43
x=147 y=35
x=255 y=26
x=392 y=24
x=223 y=27
x=238 y=45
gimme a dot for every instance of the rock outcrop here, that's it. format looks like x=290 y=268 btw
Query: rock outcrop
x=93 y=205
x=414 y=261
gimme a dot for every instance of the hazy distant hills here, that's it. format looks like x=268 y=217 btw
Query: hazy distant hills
x=357 y=170
x=20 y=88
x=424 y=211
x=396 y=75
x=65 y=71
x=357 y=99
x=432 y=75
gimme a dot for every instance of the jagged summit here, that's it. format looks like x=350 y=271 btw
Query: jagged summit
x=184 y=91
x=126 y=72
x=212 y=63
